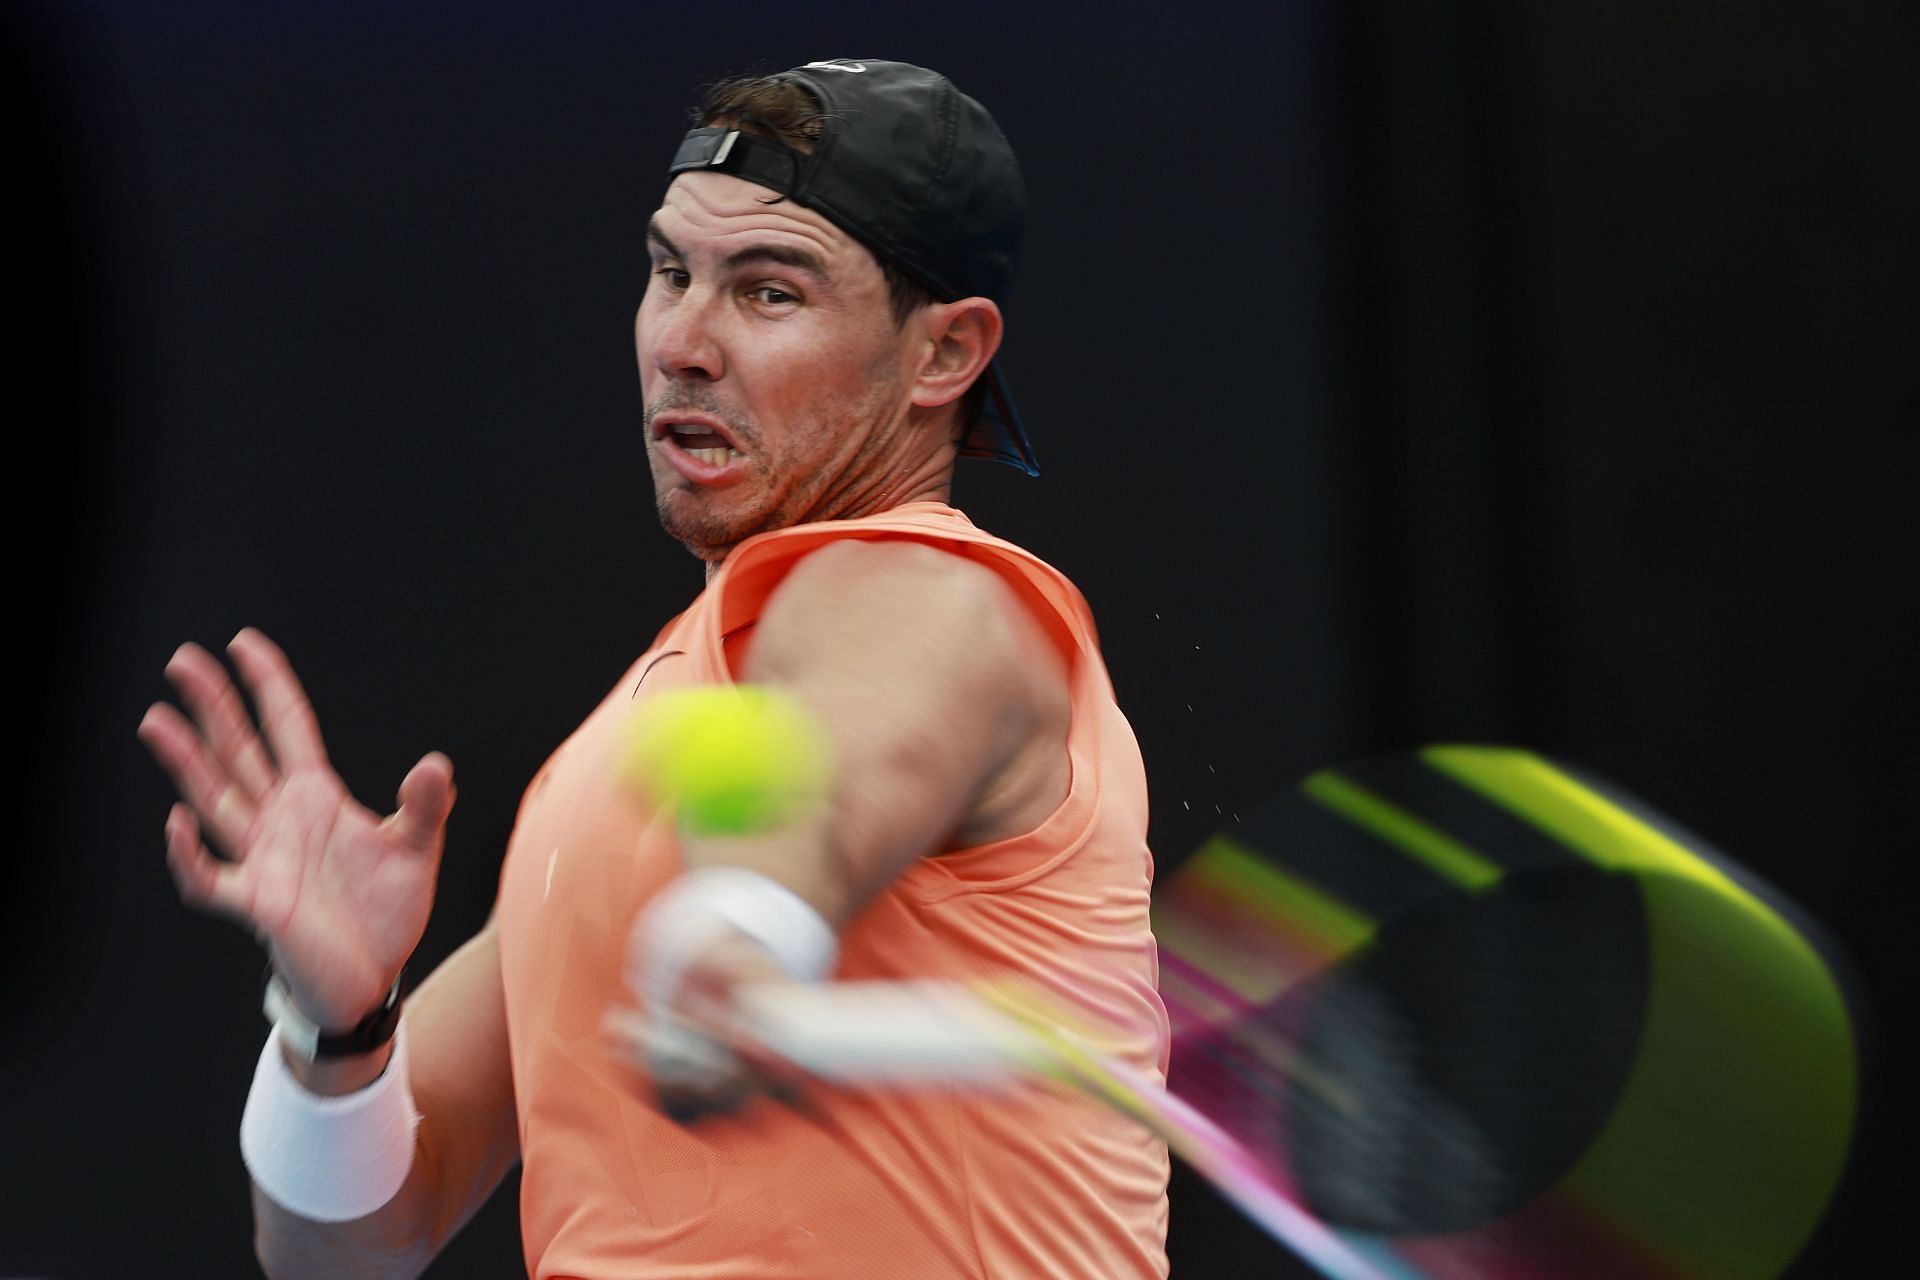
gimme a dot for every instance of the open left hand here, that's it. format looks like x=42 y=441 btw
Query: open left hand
x=338 y=894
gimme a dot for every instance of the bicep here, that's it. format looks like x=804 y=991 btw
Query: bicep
x=462 y=1081
x=880 y=633
x=931 y=678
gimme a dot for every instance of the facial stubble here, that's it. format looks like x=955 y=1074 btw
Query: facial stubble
x=709 y=527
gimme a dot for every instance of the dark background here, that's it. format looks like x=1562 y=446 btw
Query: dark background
x=1399 y=373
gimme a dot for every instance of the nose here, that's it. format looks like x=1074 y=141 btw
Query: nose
x=676 y=334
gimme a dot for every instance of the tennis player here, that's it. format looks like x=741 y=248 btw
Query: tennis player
x=816 y=347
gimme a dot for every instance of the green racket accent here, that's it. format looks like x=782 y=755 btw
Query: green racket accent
x=1732 y=1130
x=1590 y=825
x=1440 y=852
x=1267 y=892
x=1226 y=893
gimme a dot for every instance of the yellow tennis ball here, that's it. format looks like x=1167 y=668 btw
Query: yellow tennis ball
x=729 y=759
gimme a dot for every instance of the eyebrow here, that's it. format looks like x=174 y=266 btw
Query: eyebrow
x=785 y=255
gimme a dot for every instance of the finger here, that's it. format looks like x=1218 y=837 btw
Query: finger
x=693 y=1075
x=426 y=798
x=285 y=714
x=690 y=1074
x=684 y=1065
x=223 y=718
x=723 y=1021
x=205 y=883
x=199 y=776
x=773 y=1072
x=680 y=1058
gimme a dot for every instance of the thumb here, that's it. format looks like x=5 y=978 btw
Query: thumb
x=426 y=798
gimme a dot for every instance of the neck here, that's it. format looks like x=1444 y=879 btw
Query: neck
x=931 y=480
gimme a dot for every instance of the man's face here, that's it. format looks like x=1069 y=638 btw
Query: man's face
x=773 y=375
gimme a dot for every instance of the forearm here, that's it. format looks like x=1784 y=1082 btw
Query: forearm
x=944 y=711
x=827 y=855
x=394 y=1243
x=917 y=728
x=465 y=1142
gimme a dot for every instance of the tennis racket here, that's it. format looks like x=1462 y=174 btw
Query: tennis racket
x=1455 y=1013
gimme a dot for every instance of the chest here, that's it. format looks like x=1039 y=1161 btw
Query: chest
x=586 y=854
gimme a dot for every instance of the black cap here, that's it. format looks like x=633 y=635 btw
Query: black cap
x=919 y=173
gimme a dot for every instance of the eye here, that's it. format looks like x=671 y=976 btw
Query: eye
x=772 y=295
x=676 y=277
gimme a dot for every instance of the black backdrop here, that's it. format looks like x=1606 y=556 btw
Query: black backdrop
x=1399 y=373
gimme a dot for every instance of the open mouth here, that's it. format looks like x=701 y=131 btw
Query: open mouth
x=702 y=441
x=708 y=446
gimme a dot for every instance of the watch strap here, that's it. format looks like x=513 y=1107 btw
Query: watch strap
x=312 y=1042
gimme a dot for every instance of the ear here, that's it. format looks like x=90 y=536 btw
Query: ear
x=962 y=337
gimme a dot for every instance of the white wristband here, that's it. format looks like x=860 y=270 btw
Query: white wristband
x=329 y=1159
x=708 y=903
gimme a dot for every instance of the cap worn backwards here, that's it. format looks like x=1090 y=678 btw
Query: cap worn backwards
x=919 y=173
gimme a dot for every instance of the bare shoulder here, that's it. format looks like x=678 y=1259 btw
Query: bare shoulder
x=916 y=594
x=930 y=662
x=863 y=564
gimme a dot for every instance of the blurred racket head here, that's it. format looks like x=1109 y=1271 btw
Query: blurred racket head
x=1483 y=1015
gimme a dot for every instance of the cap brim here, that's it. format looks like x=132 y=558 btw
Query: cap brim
x=997 y=434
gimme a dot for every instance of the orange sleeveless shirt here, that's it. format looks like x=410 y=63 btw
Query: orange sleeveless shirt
x=923 y=1186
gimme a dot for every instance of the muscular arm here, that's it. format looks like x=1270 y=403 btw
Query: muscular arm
x=946 y=705
x=466 y=1142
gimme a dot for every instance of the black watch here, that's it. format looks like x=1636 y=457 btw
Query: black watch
x=313 y=1042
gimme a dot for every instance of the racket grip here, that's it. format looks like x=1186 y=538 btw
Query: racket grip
x=898 y=1034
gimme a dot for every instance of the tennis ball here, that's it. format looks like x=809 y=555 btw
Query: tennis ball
x=729 y=759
